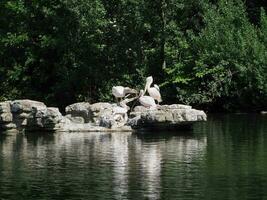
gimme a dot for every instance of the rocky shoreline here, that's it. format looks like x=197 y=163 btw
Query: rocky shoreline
x=29 y=115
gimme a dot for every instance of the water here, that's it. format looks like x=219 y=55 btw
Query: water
x=225 y=158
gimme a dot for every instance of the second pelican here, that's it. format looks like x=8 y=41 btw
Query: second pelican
x=146 y=101
x=154 y=92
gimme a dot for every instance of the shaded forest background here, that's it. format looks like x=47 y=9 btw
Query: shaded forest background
x=210 y=54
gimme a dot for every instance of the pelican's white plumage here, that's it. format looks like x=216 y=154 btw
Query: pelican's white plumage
x=118 y=91
x=154 y=92
x=157 y=87
x=147 y=101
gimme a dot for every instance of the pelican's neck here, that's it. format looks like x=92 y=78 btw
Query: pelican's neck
x=148 y=84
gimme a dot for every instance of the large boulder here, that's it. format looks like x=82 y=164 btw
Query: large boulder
x=166 y=116
x=91 y=113
x=46 y=119
x=22 y=111
x=109 y=115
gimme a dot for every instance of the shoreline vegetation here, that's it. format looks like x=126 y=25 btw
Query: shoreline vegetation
x=211 y=55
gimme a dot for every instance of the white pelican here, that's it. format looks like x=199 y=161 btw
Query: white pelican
x=154 y=92
x=146 y=101
x=120 y=91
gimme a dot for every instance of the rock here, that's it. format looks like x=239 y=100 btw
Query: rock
x=90 y=112
x=106 y=121
x=75 y=119
x=6 y=117
x=97 y=107
x=26 y=106
x=113 y=117
x=135 y=121
x=8 y=126
x=82 y=109
x=101 y=109
x=5 y=107
x=165 y=116
x=177 y=106
x=46 y=118
x=140 y=109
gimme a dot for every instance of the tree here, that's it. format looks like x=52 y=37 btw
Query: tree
x=228 y=63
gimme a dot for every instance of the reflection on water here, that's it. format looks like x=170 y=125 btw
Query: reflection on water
x=119 y=143
x=225 y=158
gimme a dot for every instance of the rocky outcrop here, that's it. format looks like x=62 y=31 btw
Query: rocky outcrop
x=100 y=114
x=47 y=118
x=27 y=114
x=165 y=116
x=33 y=115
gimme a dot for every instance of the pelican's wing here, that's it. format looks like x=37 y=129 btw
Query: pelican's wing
x=157 y=87
x=147 y=101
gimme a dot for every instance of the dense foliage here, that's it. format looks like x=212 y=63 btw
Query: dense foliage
x=211 y=54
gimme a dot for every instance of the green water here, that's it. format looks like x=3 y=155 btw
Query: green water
x=225 y=158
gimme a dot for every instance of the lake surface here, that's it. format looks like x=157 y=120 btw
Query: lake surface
x=225 y=158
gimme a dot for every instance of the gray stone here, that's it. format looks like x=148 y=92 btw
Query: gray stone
x=6 y=117
x=172 y=115
x=24 y=115
x=134 y=121
x=46 y=118
x=19 y=106
x=75 y=119
x=97 y=107
x=81 y=109
x=5 y=107
x=140 y=109
x=112 y=117
x=178 y=106
x=106 y=121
